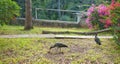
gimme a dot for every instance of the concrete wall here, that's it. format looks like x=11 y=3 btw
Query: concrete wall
x=51 y=23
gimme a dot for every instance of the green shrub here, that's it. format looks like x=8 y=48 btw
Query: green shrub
x=8 y=10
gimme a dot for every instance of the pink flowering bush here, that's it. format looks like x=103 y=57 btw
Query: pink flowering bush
x=102 y=16
x=103 y=10
x=115 y=18
x=96 y=17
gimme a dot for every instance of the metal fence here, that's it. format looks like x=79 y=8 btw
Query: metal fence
x=57 y=14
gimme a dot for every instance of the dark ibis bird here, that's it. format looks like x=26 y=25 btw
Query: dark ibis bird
x=58 y=45
x=97 y=40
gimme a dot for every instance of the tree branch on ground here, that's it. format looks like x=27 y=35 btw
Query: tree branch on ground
x=82 y=33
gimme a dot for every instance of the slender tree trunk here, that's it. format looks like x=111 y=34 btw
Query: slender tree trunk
x=28 y=15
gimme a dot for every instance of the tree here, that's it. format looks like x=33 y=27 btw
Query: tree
x=8 y=10
x=28 y=15
x=78 y=5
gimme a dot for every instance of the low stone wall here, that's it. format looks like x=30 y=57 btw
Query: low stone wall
x=55 y=24
x=51 y=23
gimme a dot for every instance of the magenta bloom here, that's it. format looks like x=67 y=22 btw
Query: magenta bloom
x=88 y=21
x=113 y=2
x=108 y=23
x=103 y=10
x=91 y=10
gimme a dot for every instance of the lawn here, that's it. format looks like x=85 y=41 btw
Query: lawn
x=37 y=30
x=36 y=50
x=79 y=51
x=11 y=30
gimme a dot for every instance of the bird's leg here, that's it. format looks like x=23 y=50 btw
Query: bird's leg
x=60 y=49
x=57 y=50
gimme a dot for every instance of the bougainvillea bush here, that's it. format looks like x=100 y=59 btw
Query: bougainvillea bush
x=115 y=18
x=97 y=17
x=105 y=16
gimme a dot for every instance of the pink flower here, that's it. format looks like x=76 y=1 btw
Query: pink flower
x=103 y=10
x=113 y=2
x=91 y=10
x=108 y=23
x=88 y=21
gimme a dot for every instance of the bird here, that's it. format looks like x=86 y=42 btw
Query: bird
x=97 y=40
x=58 y=45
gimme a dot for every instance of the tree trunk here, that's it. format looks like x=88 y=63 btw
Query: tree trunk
x=28 y=15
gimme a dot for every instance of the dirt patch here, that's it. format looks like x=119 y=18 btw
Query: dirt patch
x=77 y=47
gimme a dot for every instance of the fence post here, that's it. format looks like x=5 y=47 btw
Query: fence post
x=79 y=16
x=36 y=13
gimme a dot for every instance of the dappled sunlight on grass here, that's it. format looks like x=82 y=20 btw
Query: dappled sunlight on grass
x=35 y=50
x=21 y=50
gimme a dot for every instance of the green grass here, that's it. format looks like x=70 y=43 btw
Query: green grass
x=20 y=50
x=37 y=30
x=10 y=30
x=35 y=51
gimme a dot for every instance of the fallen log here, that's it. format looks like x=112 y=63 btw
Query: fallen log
x=82 y=33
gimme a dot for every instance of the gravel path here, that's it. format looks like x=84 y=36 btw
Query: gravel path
x=49 y=36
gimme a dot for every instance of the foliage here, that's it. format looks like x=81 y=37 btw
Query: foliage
x=65 y=18
x=78 y=5
x=8 y=10
x=115 y=17
x=21 y=3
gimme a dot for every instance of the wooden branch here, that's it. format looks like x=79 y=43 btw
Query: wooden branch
x=83 y=33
